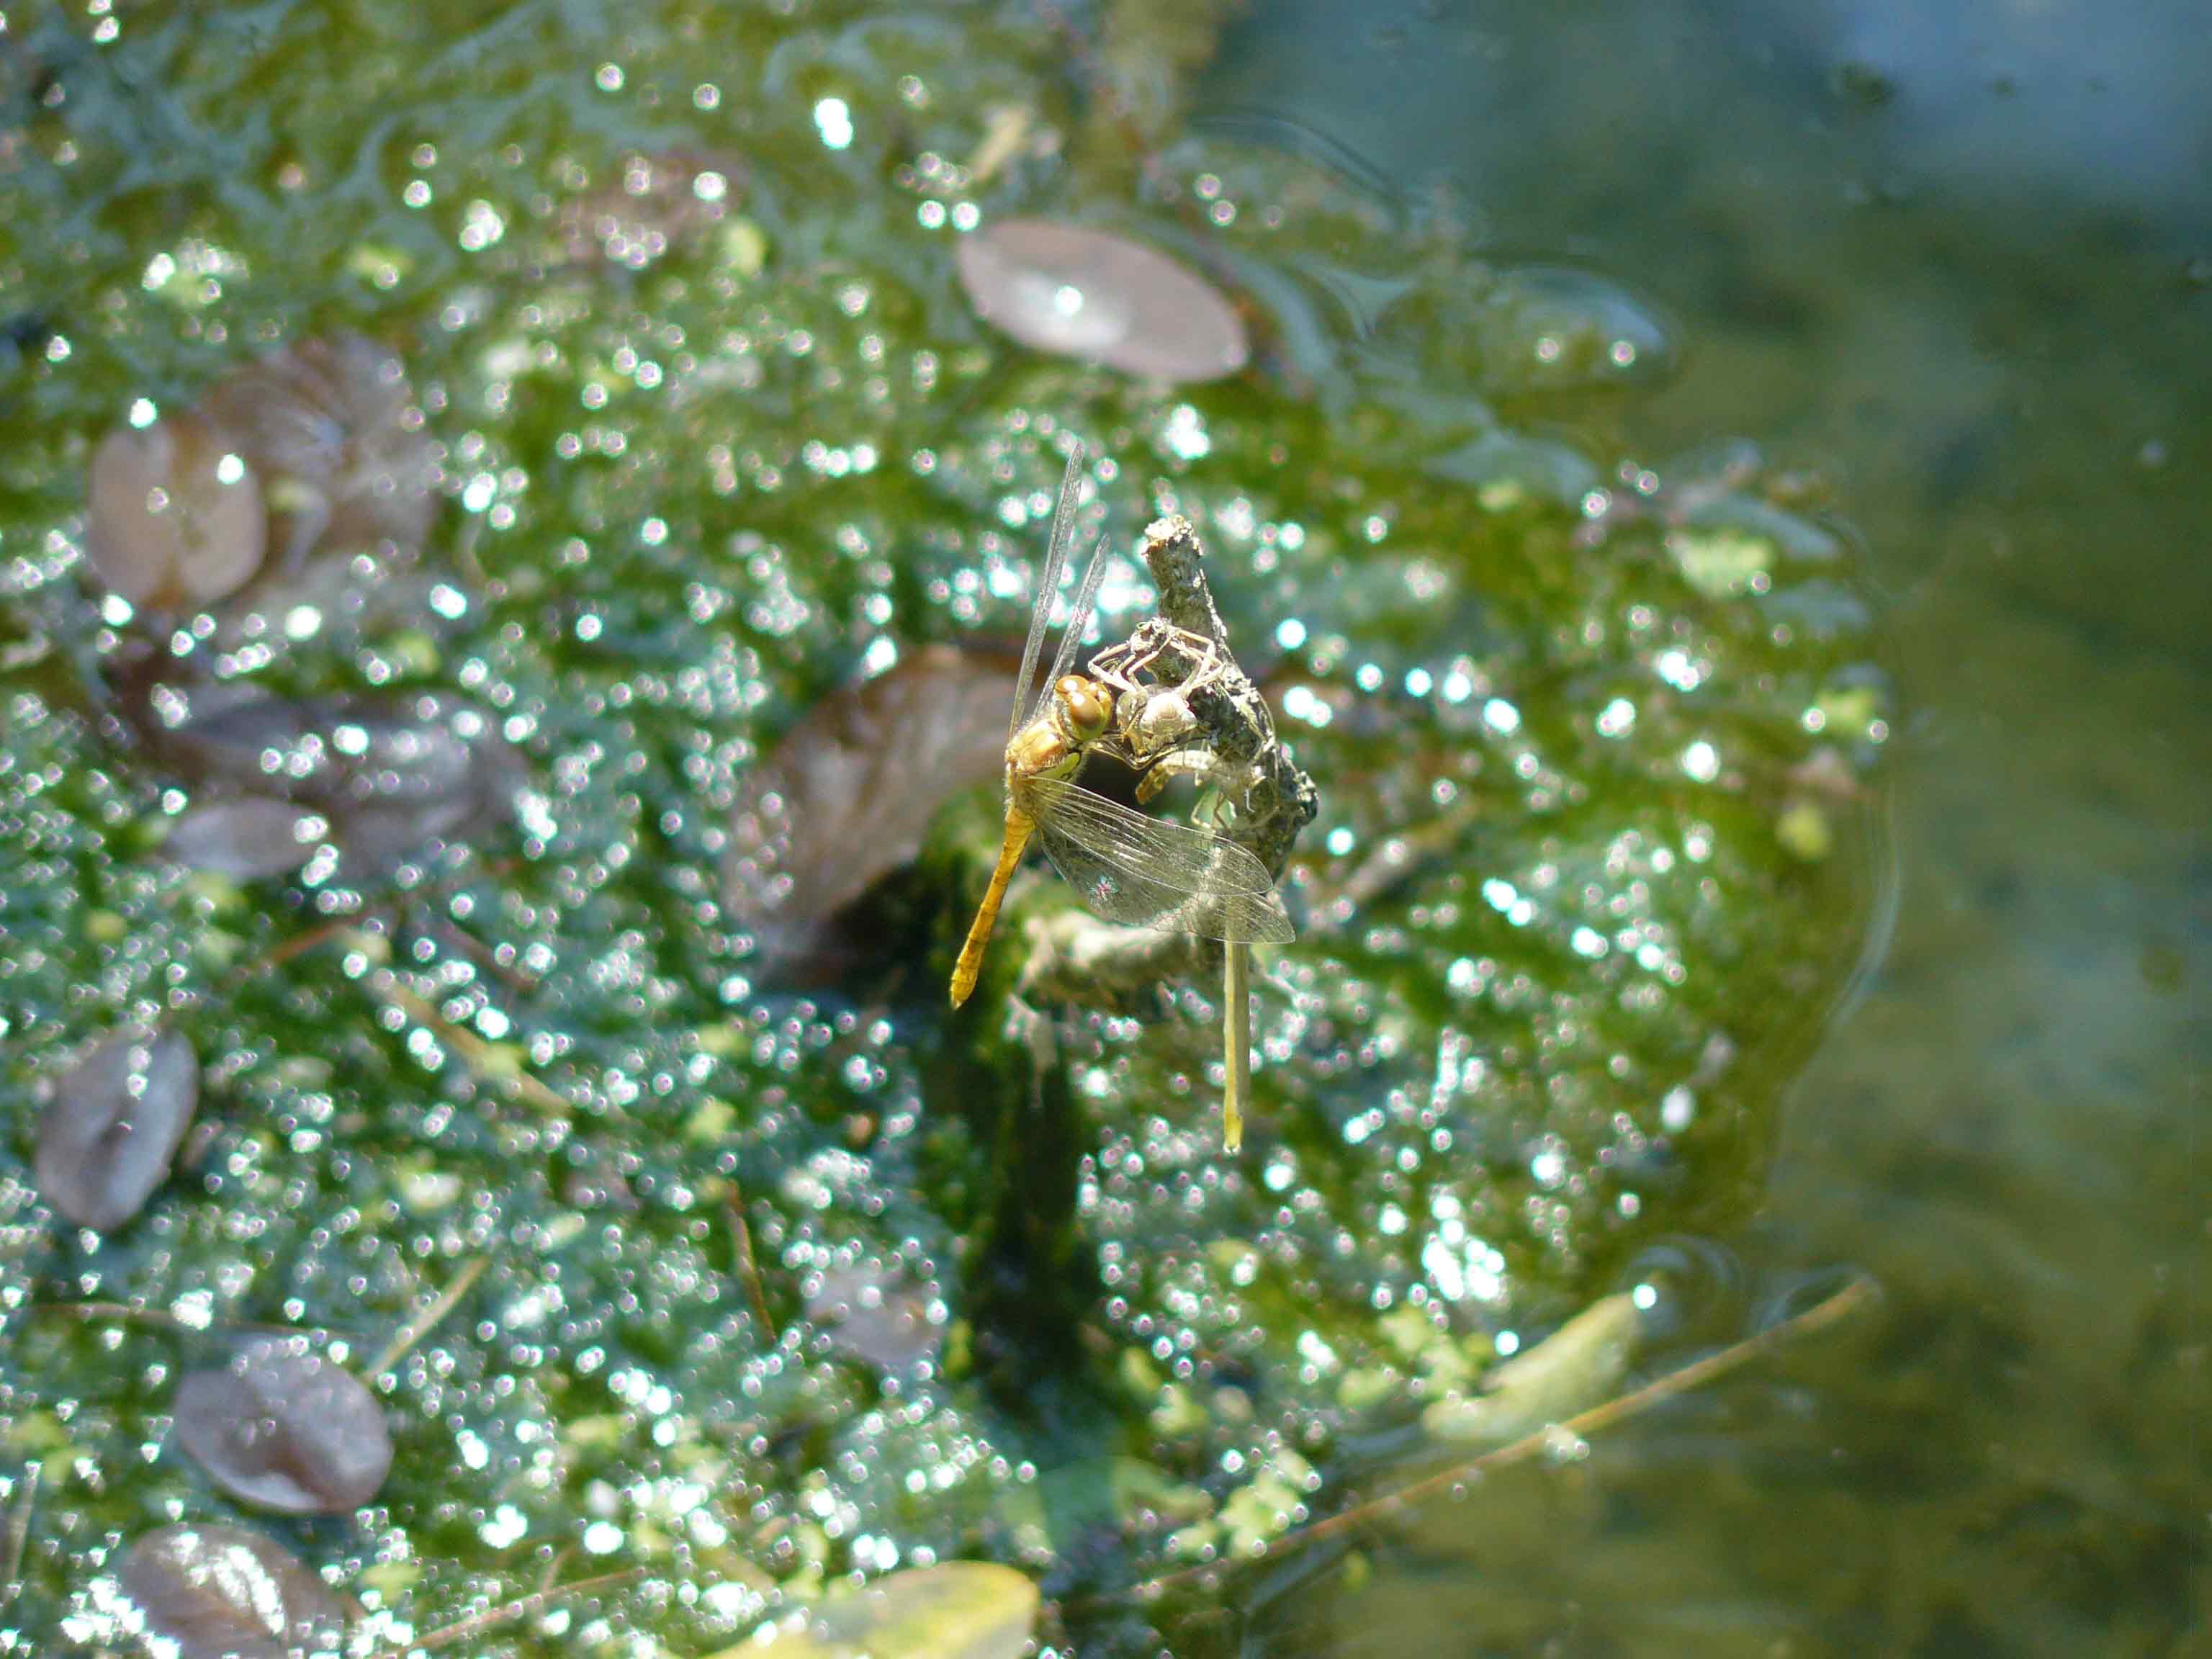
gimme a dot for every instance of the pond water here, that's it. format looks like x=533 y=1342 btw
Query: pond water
x=514 y=526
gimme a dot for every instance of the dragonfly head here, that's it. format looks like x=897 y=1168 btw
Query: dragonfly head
x=1087 y=709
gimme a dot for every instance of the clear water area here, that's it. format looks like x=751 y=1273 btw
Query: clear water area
x=1743 y=868
x=1958 y=258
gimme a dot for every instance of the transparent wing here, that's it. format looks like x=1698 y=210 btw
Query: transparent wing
x=1078 y=617
x=1150 y=873
x=1047 y=584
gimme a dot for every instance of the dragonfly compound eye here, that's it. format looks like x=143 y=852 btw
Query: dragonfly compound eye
x=1087 y=708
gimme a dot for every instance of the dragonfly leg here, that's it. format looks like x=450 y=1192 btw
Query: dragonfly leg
x=1237 y=1033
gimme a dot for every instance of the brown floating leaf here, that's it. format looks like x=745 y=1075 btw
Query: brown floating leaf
x=880 y=1317
x=175 y=514
x=223 y=1593
x=849 y=791
x=660 y=200
x=1077 y=292
x=316 y=445
x=392 y=777
x=328 y=426
x=244 y=839
x=286 y=1429
x=957 y=1610
x=106 y=1140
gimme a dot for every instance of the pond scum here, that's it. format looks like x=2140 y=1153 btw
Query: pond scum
x=446 y=463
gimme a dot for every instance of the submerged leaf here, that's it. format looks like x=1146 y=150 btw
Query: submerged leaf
x=957 y=1610
x=1503 y=466
x=106 y=1141
x=1523 y=329
x=1087 y=294
x=285 y=1428
x=1545 y=328
x=846 y=796
x=223 y=1593
x=244 y=839
x=1578 y=1366
x=175 y=514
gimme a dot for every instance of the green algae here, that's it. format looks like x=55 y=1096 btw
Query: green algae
x=1554 y=967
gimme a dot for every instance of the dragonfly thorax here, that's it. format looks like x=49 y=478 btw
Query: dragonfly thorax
x=1075 y=716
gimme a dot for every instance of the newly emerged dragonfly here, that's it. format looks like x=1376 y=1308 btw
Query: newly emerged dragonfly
x=1127 y=867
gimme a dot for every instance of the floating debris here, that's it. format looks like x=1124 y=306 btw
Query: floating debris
x=245 y=839
x=1087 y=294
x=848 y=793
x=224 y=1593
x=1804 y=830
x=176 y=518
x=957 y=1610
x=106 y=1141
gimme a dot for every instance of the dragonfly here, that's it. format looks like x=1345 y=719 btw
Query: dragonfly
x=1125 y=867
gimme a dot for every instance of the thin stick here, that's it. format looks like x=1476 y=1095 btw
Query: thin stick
x=424 y=1322
x=507 y=1611
x=482 y=1061
x=284 y=950
x=1237 y=1032
x=124 y=1314
x=748 y=1270
x=19 y=1532
x=1852 y=1298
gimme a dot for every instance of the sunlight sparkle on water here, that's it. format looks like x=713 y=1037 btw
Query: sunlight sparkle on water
x=1677 y=670
x=1299 y=703
x=1185 y=436
x=832 y=119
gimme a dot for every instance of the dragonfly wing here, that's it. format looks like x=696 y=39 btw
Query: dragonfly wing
x=1079 y=618
x=1047 y=584
x=1150 y=873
